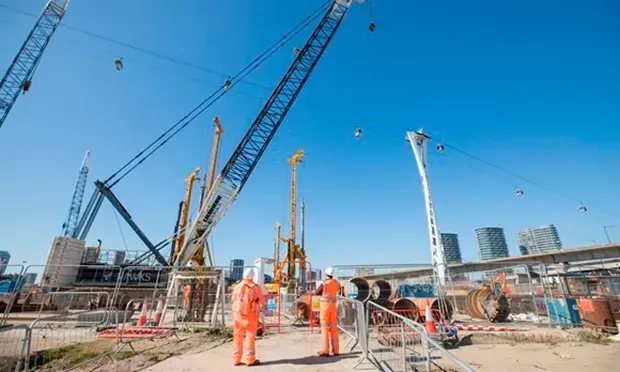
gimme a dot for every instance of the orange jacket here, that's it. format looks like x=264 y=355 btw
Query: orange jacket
x=247 y=301
x=329 y=292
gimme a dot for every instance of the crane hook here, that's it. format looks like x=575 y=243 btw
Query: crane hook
x=371 y=27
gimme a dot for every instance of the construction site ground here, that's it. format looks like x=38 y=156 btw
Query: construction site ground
x=295 y=349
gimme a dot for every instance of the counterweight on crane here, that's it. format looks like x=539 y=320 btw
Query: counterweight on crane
x=18 y=77
x=239 y=167
x=70 y=224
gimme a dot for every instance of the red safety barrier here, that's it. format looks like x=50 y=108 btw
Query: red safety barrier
x=134 y=333
x=471 y=327
x=271 y=311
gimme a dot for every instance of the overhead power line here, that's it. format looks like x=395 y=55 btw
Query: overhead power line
x=137 y=48
x=520 y=177
x=212 y=98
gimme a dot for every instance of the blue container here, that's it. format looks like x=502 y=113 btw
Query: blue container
x=7 y=286
x=563 y=312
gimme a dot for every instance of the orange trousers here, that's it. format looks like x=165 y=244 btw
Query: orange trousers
x=329 y=328
x=248 y=330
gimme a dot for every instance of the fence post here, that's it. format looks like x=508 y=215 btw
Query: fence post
x=404 y=345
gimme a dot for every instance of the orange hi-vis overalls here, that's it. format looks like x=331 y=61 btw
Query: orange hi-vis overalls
x=329 y=316
x=247 y=301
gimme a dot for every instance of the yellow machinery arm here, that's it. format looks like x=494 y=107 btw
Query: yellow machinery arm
x=200 y=254
x=292 y=251
x=189 y=185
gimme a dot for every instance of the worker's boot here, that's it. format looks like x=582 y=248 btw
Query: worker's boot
x=322 y=354
x=255 y=363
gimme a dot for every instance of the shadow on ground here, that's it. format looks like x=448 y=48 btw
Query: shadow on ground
x=310 y=360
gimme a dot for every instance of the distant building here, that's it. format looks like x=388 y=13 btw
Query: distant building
x=491 y=243
x=539 y=240
x=236 y=269
x=451 y=248
x=30 y=278
x=5 y=257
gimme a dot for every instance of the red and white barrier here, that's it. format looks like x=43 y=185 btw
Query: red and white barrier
x=471 y=327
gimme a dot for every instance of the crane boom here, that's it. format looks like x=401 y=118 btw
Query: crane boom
x=249 y=151
x=21 y=70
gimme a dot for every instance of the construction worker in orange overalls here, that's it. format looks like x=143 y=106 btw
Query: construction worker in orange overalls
x=328 y=290
x=247 y=301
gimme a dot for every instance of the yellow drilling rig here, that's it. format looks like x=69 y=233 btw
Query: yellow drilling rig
x=294 y=252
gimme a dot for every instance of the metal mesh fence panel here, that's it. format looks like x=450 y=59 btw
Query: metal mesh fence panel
x=13 y=347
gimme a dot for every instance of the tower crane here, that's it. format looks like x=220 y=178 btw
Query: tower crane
x=246 y=156
x=70 y=224
x=18 y=77
x=183 y=220
x=207 y=184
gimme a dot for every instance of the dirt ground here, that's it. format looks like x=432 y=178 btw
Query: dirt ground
x=293 y=349
x=540 y=357
x=540 y=350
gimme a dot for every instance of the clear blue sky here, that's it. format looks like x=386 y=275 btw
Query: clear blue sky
x=532 y=86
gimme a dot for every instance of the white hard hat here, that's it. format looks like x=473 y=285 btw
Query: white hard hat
x=329 y=271
x=248 y=273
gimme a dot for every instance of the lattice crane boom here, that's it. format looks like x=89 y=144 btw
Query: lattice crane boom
x=19 y=75
x=70 y=225
x=249 y=151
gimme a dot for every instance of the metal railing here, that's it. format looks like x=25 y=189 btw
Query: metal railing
x=398 y=344
x=14 y=343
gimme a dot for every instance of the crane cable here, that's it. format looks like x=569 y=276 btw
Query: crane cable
x=516 y=175
x=133 y=47
x=211 y=99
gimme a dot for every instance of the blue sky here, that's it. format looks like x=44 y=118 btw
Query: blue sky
x=531 y=86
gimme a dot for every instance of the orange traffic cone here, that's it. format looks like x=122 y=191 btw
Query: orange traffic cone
x=159 y=311
x=142 y=318
x=430 y=322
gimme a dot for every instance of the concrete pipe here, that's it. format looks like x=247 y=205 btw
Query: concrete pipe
x=363 y=289
x=406 y=307
x=380 y=290
x=434 y=303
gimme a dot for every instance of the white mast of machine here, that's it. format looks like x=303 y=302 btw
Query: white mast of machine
x=418 y=140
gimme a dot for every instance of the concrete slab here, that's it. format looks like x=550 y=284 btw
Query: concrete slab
x=293 y=349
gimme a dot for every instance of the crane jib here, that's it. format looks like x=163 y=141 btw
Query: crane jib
x=19 y=74
x=249 y=151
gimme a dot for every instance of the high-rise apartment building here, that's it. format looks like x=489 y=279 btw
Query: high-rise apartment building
x=451 y=248
x=5 y=257
x=236 y=269
x=491 y=243
x=539 y=240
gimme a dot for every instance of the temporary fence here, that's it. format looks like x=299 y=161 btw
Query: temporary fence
x=54 y=334
x=399 y=344
x=53 y=303
x=11 y=281
x=14 y=347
